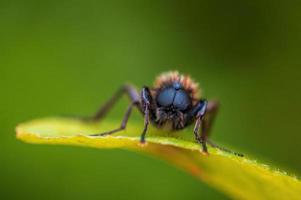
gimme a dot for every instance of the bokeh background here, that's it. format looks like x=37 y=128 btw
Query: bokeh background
x=66 y=57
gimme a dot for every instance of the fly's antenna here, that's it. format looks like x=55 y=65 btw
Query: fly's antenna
x=224 y=149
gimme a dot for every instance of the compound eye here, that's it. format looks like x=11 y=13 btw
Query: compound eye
x=166 y=96
x=181 y=100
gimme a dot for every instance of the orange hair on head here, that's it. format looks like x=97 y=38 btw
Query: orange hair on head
x=168 y=78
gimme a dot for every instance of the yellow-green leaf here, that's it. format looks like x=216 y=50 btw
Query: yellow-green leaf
x=240 y=178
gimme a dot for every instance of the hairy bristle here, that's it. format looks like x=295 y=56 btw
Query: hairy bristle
x=170 y=77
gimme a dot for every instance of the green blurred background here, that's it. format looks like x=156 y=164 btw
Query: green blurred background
x=66 y=57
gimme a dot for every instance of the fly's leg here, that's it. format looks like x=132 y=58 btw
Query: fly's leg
x=199 y=112
x=106 y=107
x=135 y=101
x=123 y=123
x=146 y=100
x=205 y=118
x=210 y=115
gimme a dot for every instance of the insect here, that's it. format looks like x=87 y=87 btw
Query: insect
x=174 y=102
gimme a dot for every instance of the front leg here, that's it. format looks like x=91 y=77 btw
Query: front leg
x=205 y=113
x=206 y=117
x=199 y=112
x=146 y=100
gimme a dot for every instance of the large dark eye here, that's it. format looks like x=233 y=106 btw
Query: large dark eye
x=166 y=96
x=181 y=100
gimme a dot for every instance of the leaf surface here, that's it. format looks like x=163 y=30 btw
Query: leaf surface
x=239 y=178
